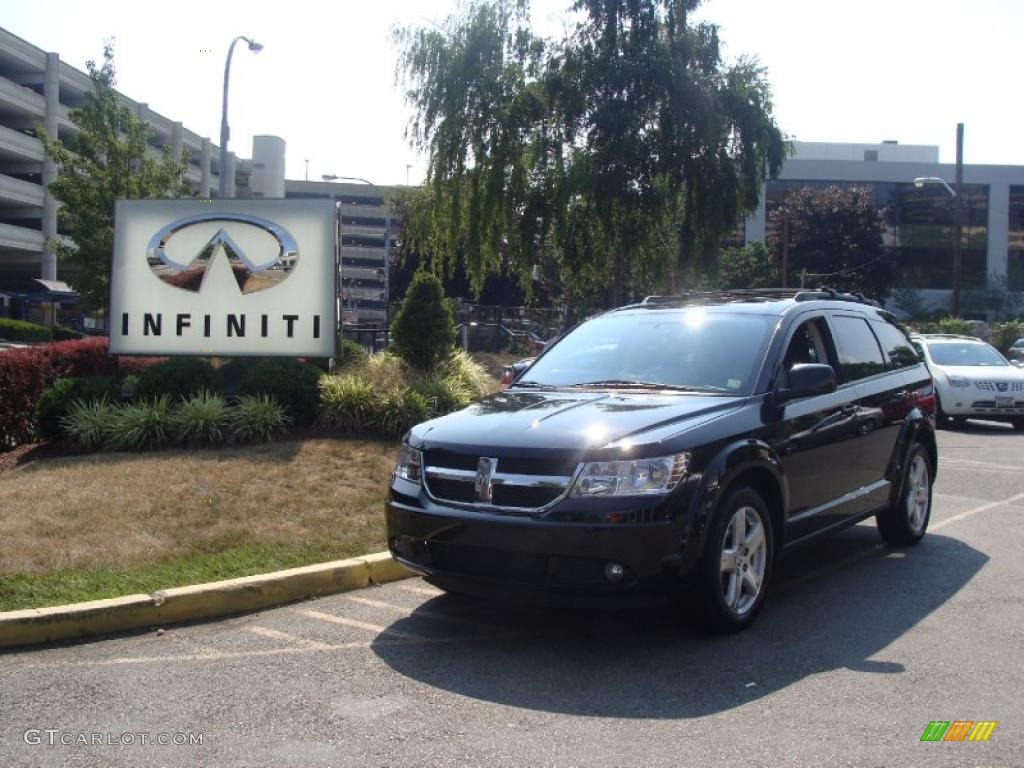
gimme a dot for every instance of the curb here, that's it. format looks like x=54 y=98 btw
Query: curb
x=201 y=601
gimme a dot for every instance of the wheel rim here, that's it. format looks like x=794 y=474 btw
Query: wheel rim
x=918 y=493
x=744 y=556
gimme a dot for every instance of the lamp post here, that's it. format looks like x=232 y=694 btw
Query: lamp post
x=224 y=130
x=387 y=242
x=958 y=214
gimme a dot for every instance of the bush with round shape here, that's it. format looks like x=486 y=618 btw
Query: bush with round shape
x=143 y=425
x=400 y=410
x=294 y=385
x=351 y=354
x=178 y=378
x=423 y=328
x=88 y=423
x=201 y=420
x=444 y=394
x=24 y=376
x=348 y=403
x=55 y=402
x=257 y=418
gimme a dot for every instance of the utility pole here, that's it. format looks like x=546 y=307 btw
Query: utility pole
x=958 y=219
x=785 y=248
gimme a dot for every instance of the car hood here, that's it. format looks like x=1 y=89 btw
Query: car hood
x=982 y=372
x=517 y=421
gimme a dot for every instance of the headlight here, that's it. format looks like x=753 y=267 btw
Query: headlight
x=410 y=464
x=957 y=381
x=642 y=477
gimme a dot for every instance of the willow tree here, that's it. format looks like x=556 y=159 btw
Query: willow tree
x=625 y=149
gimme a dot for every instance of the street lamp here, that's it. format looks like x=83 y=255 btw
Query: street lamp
x=387 y=241
x=224 y=131
x=957 y=194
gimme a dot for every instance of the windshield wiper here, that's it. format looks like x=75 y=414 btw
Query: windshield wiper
x=632 y=384
x=530 y=385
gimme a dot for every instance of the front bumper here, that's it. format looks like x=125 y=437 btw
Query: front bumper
x=977 y=404
x=487 y=553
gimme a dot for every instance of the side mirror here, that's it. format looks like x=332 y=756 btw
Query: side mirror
x=1017 y=363
x=807 y=379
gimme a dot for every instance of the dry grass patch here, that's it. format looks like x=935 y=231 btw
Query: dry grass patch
x=187 y=514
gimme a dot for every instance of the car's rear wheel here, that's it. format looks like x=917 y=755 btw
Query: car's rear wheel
x=737 y=563
x=906 y=521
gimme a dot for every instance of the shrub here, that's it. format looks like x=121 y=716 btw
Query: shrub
x=142 y=425
x=444 y=394
x=21 y=330
x=179 y=378
x=85 y=357
x=947 y=325
x=348 y=403
x=461 y=366
x=201 y=419
x=1004 y=334
x=135 y=366
x=423 y=329
x=88 y=424
x=400 y=410
x=384 y=371
x=63 y=333
x=55 y=402
x=295 y=385
x=351 y=354
x=257 y=417
x=23 y=377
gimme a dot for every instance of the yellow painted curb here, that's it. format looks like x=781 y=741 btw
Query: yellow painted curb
x=201 y=601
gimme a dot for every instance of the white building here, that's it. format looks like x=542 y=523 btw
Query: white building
x=921 y=218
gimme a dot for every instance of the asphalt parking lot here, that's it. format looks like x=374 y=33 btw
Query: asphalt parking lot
x=858 y=648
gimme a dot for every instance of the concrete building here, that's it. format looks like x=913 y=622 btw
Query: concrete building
x=38 y=89
x=920 y=219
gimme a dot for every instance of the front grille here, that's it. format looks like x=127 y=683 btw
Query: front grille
x=516 y=484
x=1017 y=405
x=1000 y=386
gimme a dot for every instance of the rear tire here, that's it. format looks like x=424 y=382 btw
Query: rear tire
x=736 y=567
x=906 y=521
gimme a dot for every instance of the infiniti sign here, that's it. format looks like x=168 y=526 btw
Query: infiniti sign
x=224 y=277
x=251 y=274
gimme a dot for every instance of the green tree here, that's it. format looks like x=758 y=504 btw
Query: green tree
x=624 y=150
x=107 y=158
x=748 y=266
x=423 y=328
x=835 y=239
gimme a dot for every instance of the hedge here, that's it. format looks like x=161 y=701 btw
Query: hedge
x=24 y=374
x=20 y=330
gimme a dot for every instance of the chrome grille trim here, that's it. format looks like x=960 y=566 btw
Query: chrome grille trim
x=561 y=483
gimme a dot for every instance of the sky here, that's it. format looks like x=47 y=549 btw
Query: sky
x=861 y=71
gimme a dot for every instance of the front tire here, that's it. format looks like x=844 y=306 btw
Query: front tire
x=942 y=420
x=737 y=563
x=905 y=522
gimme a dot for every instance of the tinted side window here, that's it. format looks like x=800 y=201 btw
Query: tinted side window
x=859 y=354
x=896 y=346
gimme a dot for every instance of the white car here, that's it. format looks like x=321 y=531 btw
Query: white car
x=972 y=380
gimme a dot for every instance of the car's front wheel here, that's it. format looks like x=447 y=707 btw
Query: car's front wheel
x=906 y=521
x=737 y=562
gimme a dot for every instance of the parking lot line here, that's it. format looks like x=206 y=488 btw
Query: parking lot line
x=276 y=634
x=975 y=511
x=375 y=628
x=420 y=613
x=954 y=463
x=421 y=590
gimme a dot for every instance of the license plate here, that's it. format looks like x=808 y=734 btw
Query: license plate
x=1004 y=402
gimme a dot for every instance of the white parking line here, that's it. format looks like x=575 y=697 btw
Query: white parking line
x=975 y=511
x=375 y=628
x=418 y=612
x=276 y=634
x=951 y=463
x=426 y=592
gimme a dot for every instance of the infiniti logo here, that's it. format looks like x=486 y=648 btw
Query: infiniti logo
x=251 y=275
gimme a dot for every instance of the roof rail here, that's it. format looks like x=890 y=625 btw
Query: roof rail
x=762 y=294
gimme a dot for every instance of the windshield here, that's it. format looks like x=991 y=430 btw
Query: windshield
x=692 y=349
x=952 y=353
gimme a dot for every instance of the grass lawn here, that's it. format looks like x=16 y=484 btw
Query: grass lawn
x=104 y=525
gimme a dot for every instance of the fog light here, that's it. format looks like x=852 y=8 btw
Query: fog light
x=614 y=572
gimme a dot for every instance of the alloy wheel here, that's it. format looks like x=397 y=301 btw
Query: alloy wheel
x=918 y=493
x=744 y=556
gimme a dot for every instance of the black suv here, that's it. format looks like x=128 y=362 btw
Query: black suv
x=678 y=445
